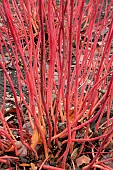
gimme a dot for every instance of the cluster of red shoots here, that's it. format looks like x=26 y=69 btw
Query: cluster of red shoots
x=65 y=50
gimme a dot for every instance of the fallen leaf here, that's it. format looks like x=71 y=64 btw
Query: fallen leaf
x=71 y=114
x=36 y=139
x=22 y=150
x=24 y=165
x=33 y=167
x=74 y=154
x=8 y=117
x=82 y=160
x=11 y=110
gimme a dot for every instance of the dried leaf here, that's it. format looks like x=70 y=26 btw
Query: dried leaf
x=71 y=114
x=11 y=110
x=36 y=139
x=82 y=160
x=22 y=150
x=33 y=167
x=74 y=154
x=24 y=165
x=8 y=117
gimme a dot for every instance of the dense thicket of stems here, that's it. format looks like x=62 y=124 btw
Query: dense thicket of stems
x=62 y=56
